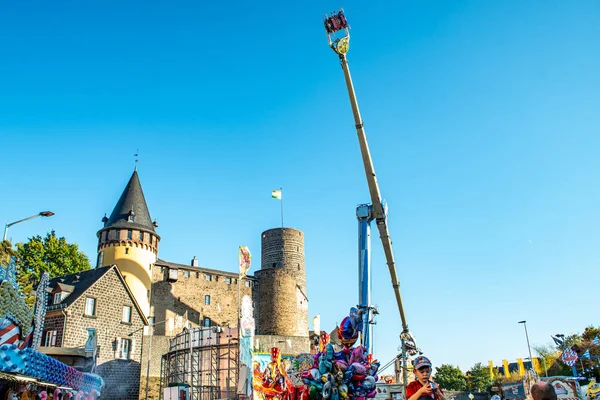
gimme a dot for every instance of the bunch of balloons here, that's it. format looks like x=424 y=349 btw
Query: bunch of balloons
x=349 y=373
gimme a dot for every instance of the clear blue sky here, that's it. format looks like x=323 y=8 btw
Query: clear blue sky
x=482 y=118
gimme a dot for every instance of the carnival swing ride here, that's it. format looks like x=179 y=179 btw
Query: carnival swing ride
x=338 y=38
x=352 y=372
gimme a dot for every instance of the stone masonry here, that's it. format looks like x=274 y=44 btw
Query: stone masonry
x=121 y=377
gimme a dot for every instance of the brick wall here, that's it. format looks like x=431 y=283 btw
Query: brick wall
x=121 y=376
x=54 y=321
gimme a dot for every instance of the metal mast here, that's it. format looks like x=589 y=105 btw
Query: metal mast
x=338 y=37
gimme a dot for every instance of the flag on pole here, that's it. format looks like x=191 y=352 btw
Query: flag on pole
x=586 y=354
x=244 y=258
x=276 y=194
x=558 y=341
x=596 y=341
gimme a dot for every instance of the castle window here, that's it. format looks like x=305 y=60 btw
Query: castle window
x=197 y=275
x=100 y=260
x=247 y=283
x=274 y=265
x=118 y=235
x=141 y=236
x=208 y=277
x=125 y=349
x=90 y=306
x=207 y=300
x=126 y=250
x=206 y=322
x=228 y=281
x=130 y=218
x=50 y=339
x=186 y=274
x=105 y=235
x=126 y=314
x=129 y=234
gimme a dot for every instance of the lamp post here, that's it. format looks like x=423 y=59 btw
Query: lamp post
x=41 y=214
x=151 y=333
x=527 y=337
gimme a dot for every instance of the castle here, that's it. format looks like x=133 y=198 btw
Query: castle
x=174 y=295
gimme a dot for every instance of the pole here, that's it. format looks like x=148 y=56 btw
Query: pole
x=281 y=192
x=527 y=337
x=148 y=363
x=404 y=372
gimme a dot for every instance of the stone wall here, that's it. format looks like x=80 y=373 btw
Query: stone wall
x=160 y=346
x=287 y=344
x=54 y=321
x=185 y=299
x=282 y=300
x=121 y=376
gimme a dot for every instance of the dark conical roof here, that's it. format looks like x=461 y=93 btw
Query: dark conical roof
x=131 y=203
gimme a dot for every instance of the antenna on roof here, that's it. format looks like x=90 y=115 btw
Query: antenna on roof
x=136 y=155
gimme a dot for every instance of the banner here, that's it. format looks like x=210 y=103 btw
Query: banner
x=244 y=258
x=569 y=357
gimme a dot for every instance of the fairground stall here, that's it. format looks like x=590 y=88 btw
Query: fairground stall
x=25 y=372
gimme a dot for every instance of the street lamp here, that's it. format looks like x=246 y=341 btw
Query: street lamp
x=41 y=214
x=527 y=337
x=151 y=333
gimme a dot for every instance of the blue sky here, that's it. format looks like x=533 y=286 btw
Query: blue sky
x=482 y=119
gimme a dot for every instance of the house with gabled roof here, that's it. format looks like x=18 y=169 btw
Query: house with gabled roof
x=97 y=301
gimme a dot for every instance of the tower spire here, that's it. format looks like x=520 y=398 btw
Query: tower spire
x=136 y=155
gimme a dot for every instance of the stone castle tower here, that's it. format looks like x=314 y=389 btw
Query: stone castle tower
x=283 y=304
x=129 y=240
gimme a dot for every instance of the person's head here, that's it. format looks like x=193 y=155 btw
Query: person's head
x=543 y=391
x=422 y=369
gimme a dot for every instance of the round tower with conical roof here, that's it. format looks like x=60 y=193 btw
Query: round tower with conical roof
x=129 y=240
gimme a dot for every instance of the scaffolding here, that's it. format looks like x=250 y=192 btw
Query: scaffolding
x=205 y=360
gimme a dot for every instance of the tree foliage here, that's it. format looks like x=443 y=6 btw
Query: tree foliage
x=6 y=251
x=450 y=377
x=49 y=254
x=478 y=378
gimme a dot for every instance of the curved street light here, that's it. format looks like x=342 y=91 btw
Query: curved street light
x=40 y=214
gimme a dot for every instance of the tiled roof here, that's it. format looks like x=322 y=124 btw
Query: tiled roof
x=131 y=203
x=168 y=264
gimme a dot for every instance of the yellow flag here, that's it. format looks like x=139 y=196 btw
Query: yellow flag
x=536 y=366
x=505 y=365
x=491 y=370
x=521 y=366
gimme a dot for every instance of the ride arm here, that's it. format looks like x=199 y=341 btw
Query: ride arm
x=378 y=211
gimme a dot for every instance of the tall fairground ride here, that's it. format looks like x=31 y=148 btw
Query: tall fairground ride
x=338 y=38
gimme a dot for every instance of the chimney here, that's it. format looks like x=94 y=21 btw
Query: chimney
x=195 y=261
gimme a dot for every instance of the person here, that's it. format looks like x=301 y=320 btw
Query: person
x=422 y=387
x=543 y=391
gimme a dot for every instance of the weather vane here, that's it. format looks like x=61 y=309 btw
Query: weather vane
x=136 y=155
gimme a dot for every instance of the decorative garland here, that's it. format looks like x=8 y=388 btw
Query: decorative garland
x=13 y=306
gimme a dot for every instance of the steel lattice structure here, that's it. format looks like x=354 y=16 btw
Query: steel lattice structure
x=205 y=359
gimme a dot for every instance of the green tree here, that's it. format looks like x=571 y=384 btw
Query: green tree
x=450 y=377
x=478 y=378
x=6 y=251
x=49 y=254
